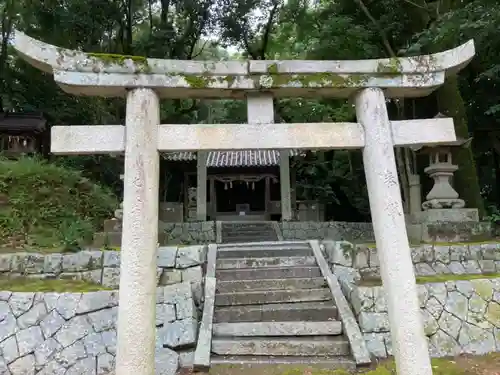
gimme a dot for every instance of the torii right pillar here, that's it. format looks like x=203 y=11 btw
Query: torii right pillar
x=386 y=206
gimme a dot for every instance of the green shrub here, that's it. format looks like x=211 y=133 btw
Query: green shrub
x=50 y=206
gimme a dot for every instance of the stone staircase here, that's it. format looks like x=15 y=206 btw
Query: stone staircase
x=273 y=306
x=238 y=232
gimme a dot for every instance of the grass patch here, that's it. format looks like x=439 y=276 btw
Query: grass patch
x=461 y=365
x=46 y=206
x=27 y=284
x=375 y=281
x=372 y=245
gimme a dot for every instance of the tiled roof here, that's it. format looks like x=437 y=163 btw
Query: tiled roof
x=246 y=158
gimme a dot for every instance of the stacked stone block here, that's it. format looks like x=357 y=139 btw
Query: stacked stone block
x=70 y=333
x=174 y=265
x=75 y=333
x=461 y=316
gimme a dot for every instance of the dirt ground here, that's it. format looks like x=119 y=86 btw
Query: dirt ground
x=461 y=365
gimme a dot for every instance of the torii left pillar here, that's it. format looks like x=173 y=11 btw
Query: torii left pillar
x=136 y=311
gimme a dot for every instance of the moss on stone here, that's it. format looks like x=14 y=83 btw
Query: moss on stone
x=376 y=281
x=140 y=62
x=229 y=79
x=450 y=277
x=461 y=243
x=440 y=366
x=483 y=288
x=198 y=81
x=27 y=284
x=273 y=68
x=393 y=67
x=319 y=79
x=493 y=313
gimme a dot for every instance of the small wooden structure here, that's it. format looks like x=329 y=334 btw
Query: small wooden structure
x=23 y=133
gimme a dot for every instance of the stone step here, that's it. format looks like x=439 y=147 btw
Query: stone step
x=268 y=273
x=261 y=297
x=237 y=241
x=247 y=230
x=329 y=328
x=246 y=225
x=291 y=261
x=282 y=312
x=268 y=244
x=241 y=238
x=270 y=284
x=286 y=346
x=267 y=365
x=263 y=253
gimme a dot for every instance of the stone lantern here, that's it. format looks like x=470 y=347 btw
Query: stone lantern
x=443 y=202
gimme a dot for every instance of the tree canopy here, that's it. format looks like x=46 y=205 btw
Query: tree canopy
x=277 y=29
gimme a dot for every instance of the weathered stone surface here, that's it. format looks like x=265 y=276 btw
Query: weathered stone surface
x=185 y=309
x=307 y=230
x=51 y=323
x=189 y=233
x=42 y=341
x=190 y=256
x=23 y=366
x=45 y=352
x=186 y=359
x=170 y=277
x=82 y=261
x=111 y=259
x=375 y=344
x=459 y=316
x=28 y=263
x=67 y=304
x=167 y=362
x=103 y=320
x=21 y=302
x=178 y=292
x=53 y=263
x=111 y=277
x=33 y=316
x=105 y=364
x=28 y=339
x=193 y=274
x=8 y=326
x=94 y=301
x=181 y=333
x=84 y=366
x=72 y=331
x=373 y=322
x=9 y=350
x=167 y=256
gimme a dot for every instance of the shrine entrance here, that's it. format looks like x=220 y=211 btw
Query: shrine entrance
x=369 y=83
x=242 y=197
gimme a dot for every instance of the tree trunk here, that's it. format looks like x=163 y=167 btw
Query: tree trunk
x=466 y=182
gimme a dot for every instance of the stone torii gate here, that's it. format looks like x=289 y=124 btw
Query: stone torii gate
x=145 y=81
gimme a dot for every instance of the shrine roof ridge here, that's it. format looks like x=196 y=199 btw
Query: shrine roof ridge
x=107 y=74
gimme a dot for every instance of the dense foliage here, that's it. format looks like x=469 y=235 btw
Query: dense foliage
x=46 y=205
x=269 y=29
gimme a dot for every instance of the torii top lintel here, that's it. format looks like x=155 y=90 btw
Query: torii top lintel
x=112 y=75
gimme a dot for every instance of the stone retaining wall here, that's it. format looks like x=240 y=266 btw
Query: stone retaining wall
x=75 y=333
x=460 y=316
x=428 y=260
x=175 y=264
x=191 y=233
x=333 y=230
